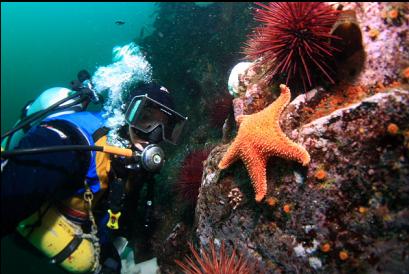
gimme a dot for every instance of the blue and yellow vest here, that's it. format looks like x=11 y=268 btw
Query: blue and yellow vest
x=88 y=123
x=59 y=225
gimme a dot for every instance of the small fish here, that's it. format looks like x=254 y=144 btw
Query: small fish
x=120 y=23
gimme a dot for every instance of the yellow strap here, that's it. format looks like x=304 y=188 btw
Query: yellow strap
x=113 y=219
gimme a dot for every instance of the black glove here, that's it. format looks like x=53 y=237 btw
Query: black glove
x=122 y=167
x=118 y=166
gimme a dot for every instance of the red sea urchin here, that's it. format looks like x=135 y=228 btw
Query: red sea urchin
x=214 y=262
x=294 y=40
x=190 y=176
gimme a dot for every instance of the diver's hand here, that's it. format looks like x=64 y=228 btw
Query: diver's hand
x=118 y=165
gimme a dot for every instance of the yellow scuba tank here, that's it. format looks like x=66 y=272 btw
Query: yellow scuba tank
x=59 y=239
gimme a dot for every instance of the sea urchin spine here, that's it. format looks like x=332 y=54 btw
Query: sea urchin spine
x=190 y=176
x=294 y=39
x=215 y=262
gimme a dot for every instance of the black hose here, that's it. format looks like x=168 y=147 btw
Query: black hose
x=77 y=101
x=37 y=115
x=17 y=152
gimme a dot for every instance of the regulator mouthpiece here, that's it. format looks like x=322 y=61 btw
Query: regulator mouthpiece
x=152 y=158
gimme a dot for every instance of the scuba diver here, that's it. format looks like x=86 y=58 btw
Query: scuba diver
x=66 y=190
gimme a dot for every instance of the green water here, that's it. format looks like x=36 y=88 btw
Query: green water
x=45 y=44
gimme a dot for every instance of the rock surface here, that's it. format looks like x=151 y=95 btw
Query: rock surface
x=385 y=41
x=347 y=212
x=366 y=59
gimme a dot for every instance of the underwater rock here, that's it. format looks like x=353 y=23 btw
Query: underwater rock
x=195 y=60
x=174 y=246
x=386 y=54
x=353 y=219
x=251 y=92
x=373 y=53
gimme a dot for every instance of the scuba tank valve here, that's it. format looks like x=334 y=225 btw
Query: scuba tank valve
x=87 y=85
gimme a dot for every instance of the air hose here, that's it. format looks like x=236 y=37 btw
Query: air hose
x=107 y=149
x=37 y=115
x=151 y=158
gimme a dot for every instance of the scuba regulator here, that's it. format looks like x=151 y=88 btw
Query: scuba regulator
x=150 y=159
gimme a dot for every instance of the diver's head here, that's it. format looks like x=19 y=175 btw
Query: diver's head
x=151 y=117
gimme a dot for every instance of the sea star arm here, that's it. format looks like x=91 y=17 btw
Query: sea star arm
x=230 y=156
x=256 y=166
x=277 y=107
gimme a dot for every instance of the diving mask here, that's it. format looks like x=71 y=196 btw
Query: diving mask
x=147 y=115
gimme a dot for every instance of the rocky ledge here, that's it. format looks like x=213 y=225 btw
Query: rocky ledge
x=348 y=211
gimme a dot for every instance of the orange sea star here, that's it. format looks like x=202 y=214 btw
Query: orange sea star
x=259 y=137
